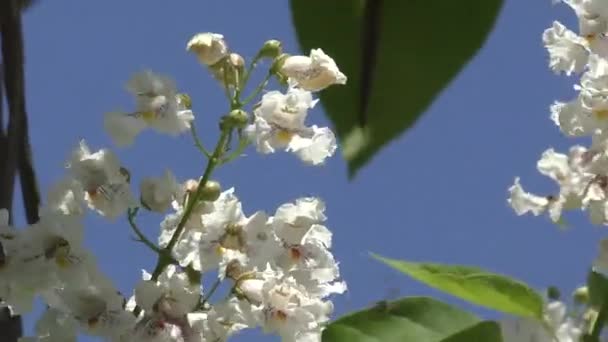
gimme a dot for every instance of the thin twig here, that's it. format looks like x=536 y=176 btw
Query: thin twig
x=197 y=141
x=131 y=214
x=206 y=298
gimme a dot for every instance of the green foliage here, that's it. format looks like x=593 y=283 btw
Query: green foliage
x=413 y=319
x=475 y=285
x=487 y=331
x=398 y=56
x=598 y=288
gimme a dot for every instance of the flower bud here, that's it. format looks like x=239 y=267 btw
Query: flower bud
x=237 y=118
x=250 y=289
x=271 y=49
x=581 y=295
x=313 y=73
x=230 y=71
x=185 y=100
x=157 y=194
x=553 y=293
x=210 y=48
x=211 y=191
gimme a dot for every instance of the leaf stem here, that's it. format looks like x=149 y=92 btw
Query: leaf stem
x=131 y=213
x=197 y=141
x=258 y=89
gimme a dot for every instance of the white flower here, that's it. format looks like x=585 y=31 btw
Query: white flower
x=561 y=328
x=279 y=124
x=66 y=197
x=305 y=244
x=222 y=321
x=288 y=310
x=524 y=202
x=157 y=194
x=566 y=49
x=97 y=307
x=575 y=120
x=210 y=48
x=104 y=181
x=230 y=235
x=313 y=73
x=158 y=107
x=172 y=296
x=591 y=17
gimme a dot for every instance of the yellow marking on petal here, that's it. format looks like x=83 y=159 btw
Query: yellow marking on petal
x=601 y=114
x=63 y=261
x=219 y=250
x=284 y=136
x=148 y=116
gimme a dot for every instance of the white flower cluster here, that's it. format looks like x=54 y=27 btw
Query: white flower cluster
x=582 y=173
x=279 y=267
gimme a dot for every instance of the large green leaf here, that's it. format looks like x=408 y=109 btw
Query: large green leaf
x=487 y=331
x=413 y=319
x=598 y=288
x=412 y=50
x=475 y=285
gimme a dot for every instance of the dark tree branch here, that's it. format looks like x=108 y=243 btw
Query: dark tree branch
x=15 y=154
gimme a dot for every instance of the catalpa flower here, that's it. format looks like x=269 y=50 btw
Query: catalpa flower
x=279 y=124
x=105 y=182
x=313 y=73
x=158 y=106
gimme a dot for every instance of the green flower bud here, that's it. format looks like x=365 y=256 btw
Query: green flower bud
x=237 y=118
x=185 y=100
x=271 y=49
x=275 y=68
x=553 y=293
x=581 y=295
x=211 y=191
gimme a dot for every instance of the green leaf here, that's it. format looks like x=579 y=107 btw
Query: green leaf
x=475 y=285
x=598 y=288
x=397 y=62
x=487 y=331
x=413 y=319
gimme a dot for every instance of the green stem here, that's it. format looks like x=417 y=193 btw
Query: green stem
x=131 y=213
x=600 y=321
x=165 y=257
x=248 y=73
x=243 y=143
x=214 y=287
x=258 y=89
x=197 y=141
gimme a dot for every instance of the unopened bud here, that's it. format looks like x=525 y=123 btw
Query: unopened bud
x=553 y=293
x=251 y=290
x=581 y=295
x=185 y=100
x=271 y=49
x=276 y=66
x=236 y=61
x=237 y=118
x=210 y=48
x=211 y=191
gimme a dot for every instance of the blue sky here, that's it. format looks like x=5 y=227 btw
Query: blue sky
x=436 y=194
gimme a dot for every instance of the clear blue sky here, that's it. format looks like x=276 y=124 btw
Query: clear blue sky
x=436 y=194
